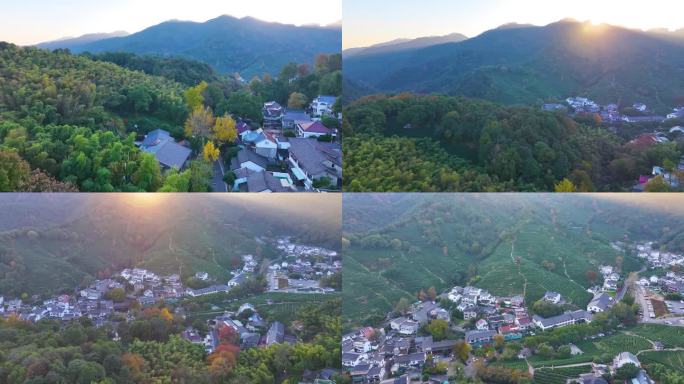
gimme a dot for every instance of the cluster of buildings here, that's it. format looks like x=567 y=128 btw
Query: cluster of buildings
x=294 y=150
x=669 y=176
x=240 y=275
x=370 y=355
x=611 y=112
x=94 y=302
x=249 y=328
x=671 y=282
x=302 y=268
x=608 y=113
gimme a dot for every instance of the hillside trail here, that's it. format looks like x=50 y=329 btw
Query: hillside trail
x=522 y=276
x=173 y=250
x=565 y=271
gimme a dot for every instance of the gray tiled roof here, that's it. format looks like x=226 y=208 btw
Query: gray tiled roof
x=261 y=181
x=311 y=154
x=172 y=155
x=246 y=155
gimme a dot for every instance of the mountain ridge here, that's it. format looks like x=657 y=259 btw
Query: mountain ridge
x=532 y=64
x=246 y=45
x=401 y=44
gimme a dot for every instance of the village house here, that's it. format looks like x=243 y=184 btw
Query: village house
x=552 y=297
x=168 y=153
x=208 y=290
x=276 y=333
x=600 y=303
x=272 y=114
x=251 y=160
x=479 y=337
x=323 y=105
x=261 y=142
x=415 y=360
x=312 y=129
x=311 y=160
x=404 y=326
x=562 y=320
x=294 y=116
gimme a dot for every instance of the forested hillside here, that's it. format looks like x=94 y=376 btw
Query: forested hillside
x=68 y=116
x=506 y=243
x=149 y=349
x=522 y=64
x=410 y=142
x=69 y=122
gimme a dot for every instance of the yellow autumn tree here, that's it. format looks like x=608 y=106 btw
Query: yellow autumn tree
x=565 y=186
x=166 y=315
x=199 y=123
x=224 y=129
x=193 y=96
x=210 y=152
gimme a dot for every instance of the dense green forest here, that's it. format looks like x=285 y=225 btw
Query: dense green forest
x=69 y=122
x=151 y=351
x=185 y=71
x=506 y=243
x=410 y=142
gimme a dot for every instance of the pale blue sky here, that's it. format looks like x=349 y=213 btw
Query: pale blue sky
x=31 y=21
x=367 y=22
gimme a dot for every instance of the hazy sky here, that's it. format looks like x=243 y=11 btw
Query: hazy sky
x=32 y=21
x=367 y=22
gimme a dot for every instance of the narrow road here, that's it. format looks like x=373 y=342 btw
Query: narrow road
x=217 y=183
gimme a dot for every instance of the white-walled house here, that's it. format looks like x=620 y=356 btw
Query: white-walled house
x=323 y=105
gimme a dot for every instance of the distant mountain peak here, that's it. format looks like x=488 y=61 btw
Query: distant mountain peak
x=83 y=39
x=402 y=44
x=513 y=25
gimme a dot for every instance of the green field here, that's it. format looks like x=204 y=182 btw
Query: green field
x=671 y=359
x=271 y=305
x=558 y=375
x=607 y=347
x=671 y=337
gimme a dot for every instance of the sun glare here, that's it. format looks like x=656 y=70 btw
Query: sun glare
x=143 y=200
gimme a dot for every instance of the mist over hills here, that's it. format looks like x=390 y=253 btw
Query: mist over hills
x=68 y=238
x=229 y=44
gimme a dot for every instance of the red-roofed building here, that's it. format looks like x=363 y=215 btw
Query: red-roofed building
x=508 y=329
x=646 y=140
x=523 y=323
x=310 y=129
